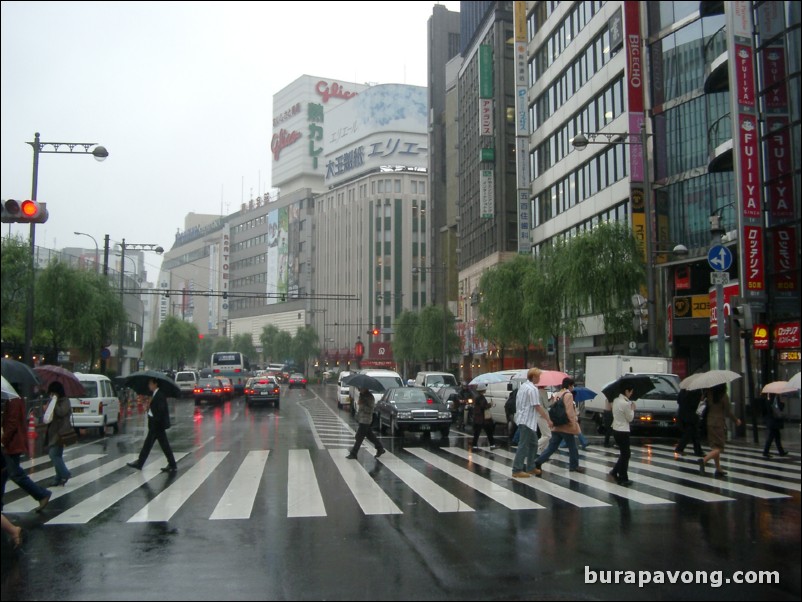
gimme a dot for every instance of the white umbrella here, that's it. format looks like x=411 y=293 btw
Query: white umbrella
x=706 y=380
x=795 y=381
x=489 y=377
x=8 y=391
x=779 y=387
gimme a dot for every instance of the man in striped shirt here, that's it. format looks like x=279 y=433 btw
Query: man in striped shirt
x=526 y=411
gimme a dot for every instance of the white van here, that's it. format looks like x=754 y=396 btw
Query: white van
x=343 y=391
x=186 y=381
x=388 y=378
x=99 y=408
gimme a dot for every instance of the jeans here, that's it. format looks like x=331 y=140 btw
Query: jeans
x=556 y=438
x=527 y=450
x=21 y=478
x=56 y=452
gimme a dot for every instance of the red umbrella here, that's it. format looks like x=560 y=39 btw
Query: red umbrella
x=72 y=386
x=551 y=378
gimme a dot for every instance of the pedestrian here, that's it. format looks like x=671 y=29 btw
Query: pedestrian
x=480 y=404
x=15 y=443
x=58 y=421
x=14 y=532
x=527 y=408
x=774 y=424
x=543 y=423
x=623 y=414
x=687 y=404
x=364 y=416
x=564 y=432
x=607 y=422
x=510 y=408
x=158 y=423
x=718 y=409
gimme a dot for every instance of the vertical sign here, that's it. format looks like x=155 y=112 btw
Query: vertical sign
x=746 y=153
x=485 y=71
x=487 y=193
x=522 y=130
x=486 y=124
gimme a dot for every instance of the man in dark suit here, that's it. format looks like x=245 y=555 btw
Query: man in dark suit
x=158 y=423
x=687 y=402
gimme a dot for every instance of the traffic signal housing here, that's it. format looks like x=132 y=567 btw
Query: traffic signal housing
x=24 y=212
x=375 y=332
x=741 y=318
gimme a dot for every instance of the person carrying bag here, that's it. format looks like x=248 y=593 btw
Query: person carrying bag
x=60 y=431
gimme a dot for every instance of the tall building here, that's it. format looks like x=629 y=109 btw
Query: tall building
x=716 y=85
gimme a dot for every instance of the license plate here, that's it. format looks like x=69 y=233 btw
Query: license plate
x=77 y=410
x=663 y=423
x=425 y=427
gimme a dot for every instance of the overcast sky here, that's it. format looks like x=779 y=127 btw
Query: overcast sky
x=181 y=94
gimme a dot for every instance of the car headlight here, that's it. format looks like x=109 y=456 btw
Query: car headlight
x=443 y=414
x=404 y=415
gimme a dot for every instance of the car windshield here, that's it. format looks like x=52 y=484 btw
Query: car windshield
x=441 y=380
x=91 y=388
x=408 y=396
x=389 y=381
x=209 y=382
x=184 y=376
x=665 y=387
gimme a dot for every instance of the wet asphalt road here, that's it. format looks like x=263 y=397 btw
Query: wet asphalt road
x=264 y=506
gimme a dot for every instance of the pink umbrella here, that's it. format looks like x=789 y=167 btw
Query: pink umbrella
x=551 y=378
x=779 y=387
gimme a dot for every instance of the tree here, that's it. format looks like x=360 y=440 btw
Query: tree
x=270 y=350
x=603 y=269
x=304 y=345
x=544 y=305
x=176 y=341
x=429 y=334
x=244 y=344
x=16 y=275
x=205 y=349
x=501 y=317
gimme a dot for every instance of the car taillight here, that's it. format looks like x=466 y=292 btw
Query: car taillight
x=100 y=408
x=197 y=390
x=276 y=390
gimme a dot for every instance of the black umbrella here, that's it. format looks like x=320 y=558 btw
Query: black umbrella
x=363 y=381
x=641 y=383
x=19 y=373
x=138 y=381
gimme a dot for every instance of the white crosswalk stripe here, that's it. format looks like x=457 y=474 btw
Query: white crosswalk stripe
x=47 y=473
x=370 y=497
x=238 y=499
x=303 y=492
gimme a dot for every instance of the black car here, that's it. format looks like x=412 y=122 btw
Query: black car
x=262 y=389
x=297 y=380
x=416 y=409
x=210 y=389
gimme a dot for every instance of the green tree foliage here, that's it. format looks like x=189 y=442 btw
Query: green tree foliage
x=60 y=323
x=405 y=327
x=501 y=315
x=270 y=349
x=176 y=343
x=244 y=344
x=304 y=345
x=16 y=274
x=205 y=348
x=603 y=269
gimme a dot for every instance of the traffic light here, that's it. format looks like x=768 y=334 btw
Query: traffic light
x=24 y=212
x=375 y=332
x=741 y=316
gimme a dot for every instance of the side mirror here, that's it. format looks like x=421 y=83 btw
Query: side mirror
x=509 y=387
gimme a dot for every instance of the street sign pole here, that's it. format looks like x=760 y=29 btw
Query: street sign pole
x=720 y=259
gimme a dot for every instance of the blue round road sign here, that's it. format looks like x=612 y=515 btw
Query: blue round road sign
x=720 y=258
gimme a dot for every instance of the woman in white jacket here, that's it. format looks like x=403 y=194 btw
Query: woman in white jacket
x=623 y=413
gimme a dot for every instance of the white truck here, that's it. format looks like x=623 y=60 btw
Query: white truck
x=656 y=409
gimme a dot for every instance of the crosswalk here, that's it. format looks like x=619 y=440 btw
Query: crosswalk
x=448 y=479
x=444 y=476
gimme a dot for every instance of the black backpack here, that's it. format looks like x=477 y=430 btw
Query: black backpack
x=510 y=404
x=557 y=412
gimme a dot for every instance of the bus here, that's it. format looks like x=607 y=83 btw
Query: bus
x=233 y=365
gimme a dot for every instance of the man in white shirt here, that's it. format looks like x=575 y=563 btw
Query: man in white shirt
x=528 y=408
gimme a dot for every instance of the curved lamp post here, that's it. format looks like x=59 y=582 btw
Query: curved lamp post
x=59 y=148
x=97 y=250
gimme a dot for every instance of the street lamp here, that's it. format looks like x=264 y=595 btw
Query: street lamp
x=580 y=142
x=100 y=154
x=134 y=247
x=424 y=269
x=97 y=249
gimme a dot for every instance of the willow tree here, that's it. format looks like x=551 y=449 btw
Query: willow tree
x=502 y=320
x=305 y=344
x=544 y=296
x=603 y=269
x=404 y=348
x=176 y=341
x=16 y=275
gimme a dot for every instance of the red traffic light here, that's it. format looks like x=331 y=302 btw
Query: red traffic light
x=24 y=212
x=375 y=332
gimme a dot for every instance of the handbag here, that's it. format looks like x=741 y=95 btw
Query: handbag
x=51 y=407
x=701 y=409
x=67 y=435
